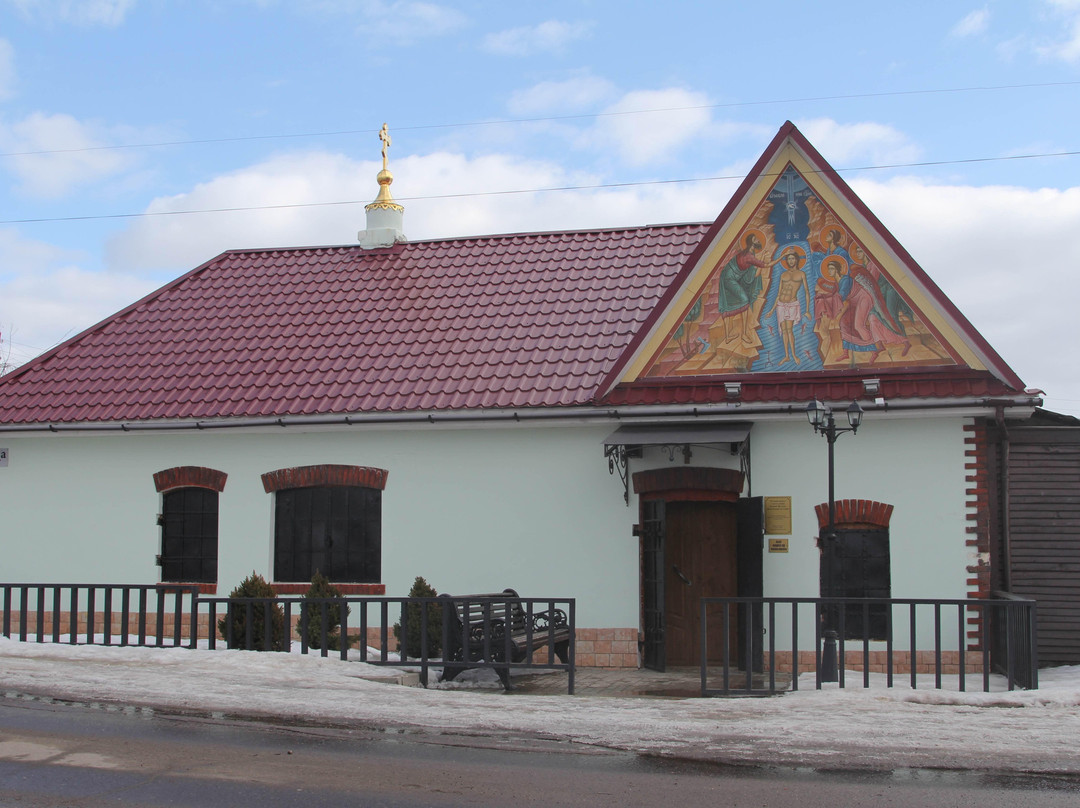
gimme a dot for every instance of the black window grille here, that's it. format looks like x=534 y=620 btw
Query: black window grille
x=856 y=564
x=335 y=530
x=189 y=536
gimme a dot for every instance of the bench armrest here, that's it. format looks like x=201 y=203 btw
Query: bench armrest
x=542 y=621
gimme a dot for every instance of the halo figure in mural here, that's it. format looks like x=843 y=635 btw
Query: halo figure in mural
x=794 y=289
x=866 y=324
x=740 y=286
x=828 y=304
x=789 y=312
x=833 y=237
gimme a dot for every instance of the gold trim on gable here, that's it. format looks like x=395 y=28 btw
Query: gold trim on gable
x=797 y=280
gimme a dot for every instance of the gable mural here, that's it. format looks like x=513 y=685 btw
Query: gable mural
x=795 y=291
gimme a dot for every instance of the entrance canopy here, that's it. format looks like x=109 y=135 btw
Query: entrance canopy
x=627 y=441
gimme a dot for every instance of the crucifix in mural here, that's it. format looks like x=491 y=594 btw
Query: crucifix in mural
x=795 y=291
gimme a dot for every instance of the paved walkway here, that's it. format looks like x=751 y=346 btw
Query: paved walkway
x=678 y=683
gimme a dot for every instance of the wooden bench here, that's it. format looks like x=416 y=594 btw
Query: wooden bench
x=482 y=621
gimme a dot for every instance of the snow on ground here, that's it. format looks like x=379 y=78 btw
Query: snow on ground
x=1033 y=731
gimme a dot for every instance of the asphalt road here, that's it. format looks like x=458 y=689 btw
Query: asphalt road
x=58 y=754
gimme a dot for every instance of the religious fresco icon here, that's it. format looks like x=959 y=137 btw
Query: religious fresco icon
x=795 y=291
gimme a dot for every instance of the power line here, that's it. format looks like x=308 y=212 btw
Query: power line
x=546 y=119
x=520 y=191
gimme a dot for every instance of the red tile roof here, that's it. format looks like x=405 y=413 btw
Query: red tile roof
x=532 y=320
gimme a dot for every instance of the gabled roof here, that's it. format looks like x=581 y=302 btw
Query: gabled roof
x=596 y=318
x=531 y=320
x=797 y=277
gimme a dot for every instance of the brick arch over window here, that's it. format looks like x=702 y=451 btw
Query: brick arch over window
x=326 y=474
x=689 y=483
x=190 y=477
x=856 y=513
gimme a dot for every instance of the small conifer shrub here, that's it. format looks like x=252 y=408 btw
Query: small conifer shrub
x=421 y=589
x=322 y=588
x=254 y=586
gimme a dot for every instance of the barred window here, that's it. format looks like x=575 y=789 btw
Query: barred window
x=189 y=535
x=335 y=530
x=856 y=564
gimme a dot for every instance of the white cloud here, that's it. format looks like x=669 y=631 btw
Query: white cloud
x=677 y=117
x=1067 y=47
x=109 y=13
x=7 y=70
x=571 y=95
x=45 y=296
x=548 y=37
x=873 y=143
x=396 y=21
x=55 y=153
x=178 y=242
x=1005 y=256
x=972 y=24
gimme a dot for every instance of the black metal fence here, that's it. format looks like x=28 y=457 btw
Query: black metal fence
x=123 y=614
x=1013 y=632
x=897 y=638
x=178 y=616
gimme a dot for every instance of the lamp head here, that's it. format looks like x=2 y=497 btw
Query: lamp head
x=854 y=415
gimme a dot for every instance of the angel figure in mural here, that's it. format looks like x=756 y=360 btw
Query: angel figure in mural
x=833 y=238
x=828 y=305
x=866 y=324
x=740 y=286
x=895 y=305
x=789 y=312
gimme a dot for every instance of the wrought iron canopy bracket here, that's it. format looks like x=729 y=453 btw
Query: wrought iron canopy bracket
x=616 y=462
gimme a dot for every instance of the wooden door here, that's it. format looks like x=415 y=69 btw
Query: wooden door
x=700 y=560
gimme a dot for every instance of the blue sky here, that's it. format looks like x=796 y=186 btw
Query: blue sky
x=938 y=114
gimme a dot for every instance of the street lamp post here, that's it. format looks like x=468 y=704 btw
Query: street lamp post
x=822 y=420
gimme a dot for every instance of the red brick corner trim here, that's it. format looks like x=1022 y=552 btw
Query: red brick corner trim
x=689 y=482
x=856 y=513
x=190 y=477
x=326 y=474
x=977 y=478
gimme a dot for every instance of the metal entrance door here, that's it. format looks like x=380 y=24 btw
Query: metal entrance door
x=652 y=584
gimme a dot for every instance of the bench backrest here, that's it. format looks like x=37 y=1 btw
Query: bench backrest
x=471 y=610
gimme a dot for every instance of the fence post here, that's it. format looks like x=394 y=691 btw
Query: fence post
x=193 y=605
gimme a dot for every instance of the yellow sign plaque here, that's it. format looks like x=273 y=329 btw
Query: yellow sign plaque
x=778 y=545
x=778 y=515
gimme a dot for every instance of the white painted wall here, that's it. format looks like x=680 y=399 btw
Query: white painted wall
x=914 y=464
x=475 y=509
x=470 y=510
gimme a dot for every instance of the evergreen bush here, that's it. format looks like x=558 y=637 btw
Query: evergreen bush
x=322 y=588
x=421 y=589
x=254 y=586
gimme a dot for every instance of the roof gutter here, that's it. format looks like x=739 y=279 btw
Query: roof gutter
x=600 y=413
